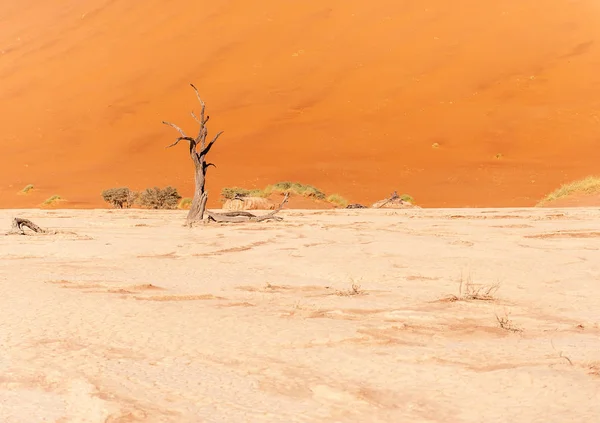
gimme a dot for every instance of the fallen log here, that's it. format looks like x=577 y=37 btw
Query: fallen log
x=244 y=216
x=19 y=223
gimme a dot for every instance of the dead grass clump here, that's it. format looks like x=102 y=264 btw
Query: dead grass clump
x=355 y=289
x=157 y=198
x=185 y=204
x=337 y=200
x=507 y=324
x=27 y=189
x=235 y=192
x=53 y=200
x=594 y=369
x=589 y=185
x=468 y=291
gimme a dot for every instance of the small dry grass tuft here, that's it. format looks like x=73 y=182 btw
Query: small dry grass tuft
x=53 y=200
x=507 y=324
x=589 y=185
x=355 y=289
x=27 y=189
x=468 y=291
x=185 y=204
x=337 y=200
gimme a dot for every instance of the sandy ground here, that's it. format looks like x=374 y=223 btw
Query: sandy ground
x=338 y=94
x=126 y=316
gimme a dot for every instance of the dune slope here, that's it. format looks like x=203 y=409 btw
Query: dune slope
x=341 y=94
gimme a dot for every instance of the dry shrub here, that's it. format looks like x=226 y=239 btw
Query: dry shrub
x=337 y=200
x=120 y=198
x=53 y=200
x=157 y=198
x=355 y=289
x=27 y=189
x=185 y=204
x=237 y=192
x=248 y=203
x=468 y=291
x=295 y=188
x=507 y=324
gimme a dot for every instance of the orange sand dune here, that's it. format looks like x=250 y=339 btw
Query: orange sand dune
x=346 y=95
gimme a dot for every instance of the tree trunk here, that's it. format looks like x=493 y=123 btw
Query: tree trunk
x=198 y=206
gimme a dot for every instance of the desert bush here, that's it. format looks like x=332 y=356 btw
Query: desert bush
x=120 y=198
x=589 y=185
x=232 y=192
x=248 y=203
x=296 y=188
x=337 y=200
x=157 y=198
x=27 y=189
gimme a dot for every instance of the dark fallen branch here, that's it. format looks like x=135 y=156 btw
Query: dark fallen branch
x=393 y=197
x=244 y=216
x=19 y=224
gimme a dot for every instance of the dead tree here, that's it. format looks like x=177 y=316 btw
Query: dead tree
x=198 y=151
x=19 y=223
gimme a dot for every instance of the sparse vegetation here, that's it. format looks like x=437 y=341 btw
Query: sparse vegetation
x=27 y=189
x=295 y=188
x=120 y=198
x=589 y=185
x=355 y=289
x=498 y=156
x=185 y=203
x=435 y=145
x=468 y=291
x=53 y=200
x=507 y=324
x=233 y=192
x=292 y=188
x=406 y=197
x=157 y=198
x=337 y=200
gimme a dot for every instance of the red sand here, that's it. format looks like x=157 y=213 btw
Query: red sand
x=346 y=95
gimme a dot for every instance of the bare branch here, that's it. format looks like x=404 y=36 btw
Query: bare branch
x=201 y=104
x=196 y=118
x=172 y=125
x=190 y=139
x=205 y=150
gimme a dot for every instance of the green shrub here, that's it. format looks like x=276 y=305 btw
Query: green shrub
x=156 y=198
